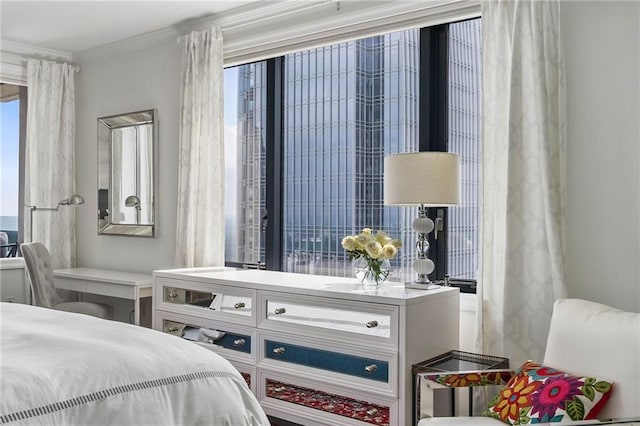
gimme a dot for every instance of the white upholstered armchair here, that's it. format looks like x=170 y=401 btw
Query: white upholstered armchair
x=589 y=339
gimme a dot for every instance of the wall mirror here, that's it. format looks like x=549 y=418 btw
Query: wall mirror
x=127 y=162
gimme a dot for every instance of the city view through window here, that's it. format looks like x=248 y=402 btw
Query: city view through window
x=346 y=107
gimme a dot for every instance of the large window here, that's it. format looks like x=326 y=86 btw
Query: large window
x=12 y=109
x=306 y=135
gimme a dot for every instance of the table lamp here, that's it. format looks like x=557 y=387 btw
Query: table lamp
x=425 y=179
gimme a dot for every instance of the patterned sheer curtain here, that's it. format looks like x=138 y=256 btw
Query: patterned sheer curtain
x=49 y=157
x=200 y=222
x=523 y=244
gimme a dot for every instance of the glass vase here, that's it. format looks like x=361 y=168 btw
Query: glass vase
x=371 y=272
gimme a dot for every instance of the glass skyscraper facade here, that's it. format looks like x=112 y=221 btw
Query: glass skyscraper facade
x=465 y=139
x=346 y=106
x=245 y=239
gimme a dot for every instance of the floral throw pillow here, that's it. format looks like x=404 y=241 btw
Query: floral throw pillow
x=540 y=394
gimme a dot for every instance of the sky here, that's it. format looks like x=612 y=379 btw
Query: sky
x=9 y=144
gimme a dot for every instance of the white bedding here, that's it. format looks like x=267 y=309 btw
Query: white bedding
x=63 y=368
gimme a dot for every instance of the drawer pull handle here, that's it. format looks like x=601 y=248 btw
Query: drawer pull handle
x=372 y=324
x=372 y=412
x=371 y=368
x=239 y=342
x=279 y=311
x=173 y=329
x=279 y=350
x=239 y=305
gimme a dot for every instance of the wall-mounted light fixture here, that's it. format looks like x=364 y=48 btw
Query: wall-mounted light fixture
x=74 y=201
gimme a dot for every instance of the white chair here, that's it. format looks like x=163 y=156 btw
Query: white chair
x=39 y=267
x=589 y=339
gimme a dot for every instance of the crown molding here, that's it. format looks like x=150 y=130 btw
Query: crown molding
x=128 y=45
x=14 y=56
x=250 y=15
x=29 y=51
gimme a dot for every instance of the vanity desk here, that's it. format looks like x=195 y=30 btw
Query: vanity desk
x=315 y=350
x=125 y=285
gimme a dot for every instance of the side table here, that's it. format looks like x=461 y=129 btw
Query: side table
x=457 y=369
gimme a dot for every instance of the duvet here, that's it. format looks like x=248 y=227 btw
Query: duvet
x=61 y=368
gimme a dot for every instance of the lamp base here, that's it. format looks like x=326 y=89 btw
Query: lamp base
x=421 y=286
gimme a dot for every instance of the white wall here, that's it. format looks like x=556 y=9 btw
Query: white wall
x=120 y=83
x=602 y=53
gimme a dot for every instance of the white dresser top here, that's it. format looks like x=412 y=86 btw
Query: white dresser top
x=392 y=293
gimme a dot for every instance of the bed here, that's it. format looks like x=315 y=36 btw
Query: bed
x=64 y=368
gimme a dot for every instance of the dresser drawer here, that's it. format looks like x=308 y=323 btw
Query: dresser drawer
x=236 y=305
x=331 y=407
x=231 y=341
x=358 y=322
x=368 y=368
x=217 y=336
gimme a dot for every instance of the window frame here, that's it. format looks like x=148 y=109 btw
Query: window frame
x=432 y=132
x=22 y=143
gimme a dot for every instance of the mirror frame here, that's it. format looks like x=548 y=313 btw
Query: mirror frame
x=105 y=128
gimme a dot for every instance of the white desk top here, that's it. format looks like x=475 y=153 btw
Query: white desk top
x=116 y=277
x=315 y=285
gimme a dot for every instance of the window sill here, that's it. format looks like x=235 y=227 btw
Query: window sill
x=12 y=263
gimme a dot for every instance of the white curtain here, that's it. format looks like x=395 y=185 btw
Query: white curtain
x=200 y=222
x=49 y=157
x=524 y=213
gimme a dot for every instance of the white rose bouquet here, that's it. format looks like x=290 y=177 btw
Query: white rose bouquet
x=374 y=249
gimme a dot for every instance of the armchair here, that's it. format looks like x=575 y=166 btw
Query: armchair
x=594 y=340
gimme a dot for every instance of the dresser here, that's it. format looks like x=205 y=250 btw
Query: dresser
x=315 y=350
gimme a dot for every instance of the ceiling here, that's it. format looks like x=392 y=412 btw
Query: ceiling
x=74 y=26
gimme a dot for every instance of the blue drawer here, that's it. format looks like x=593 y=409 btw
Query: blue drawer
x=368 y=368
x=237 y=342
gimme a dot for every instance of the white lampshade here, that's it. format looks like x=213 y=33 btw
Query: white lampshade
x=424 y=178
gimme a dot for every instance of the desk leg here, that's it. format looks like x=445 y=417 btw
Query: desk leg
x=136 y=307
